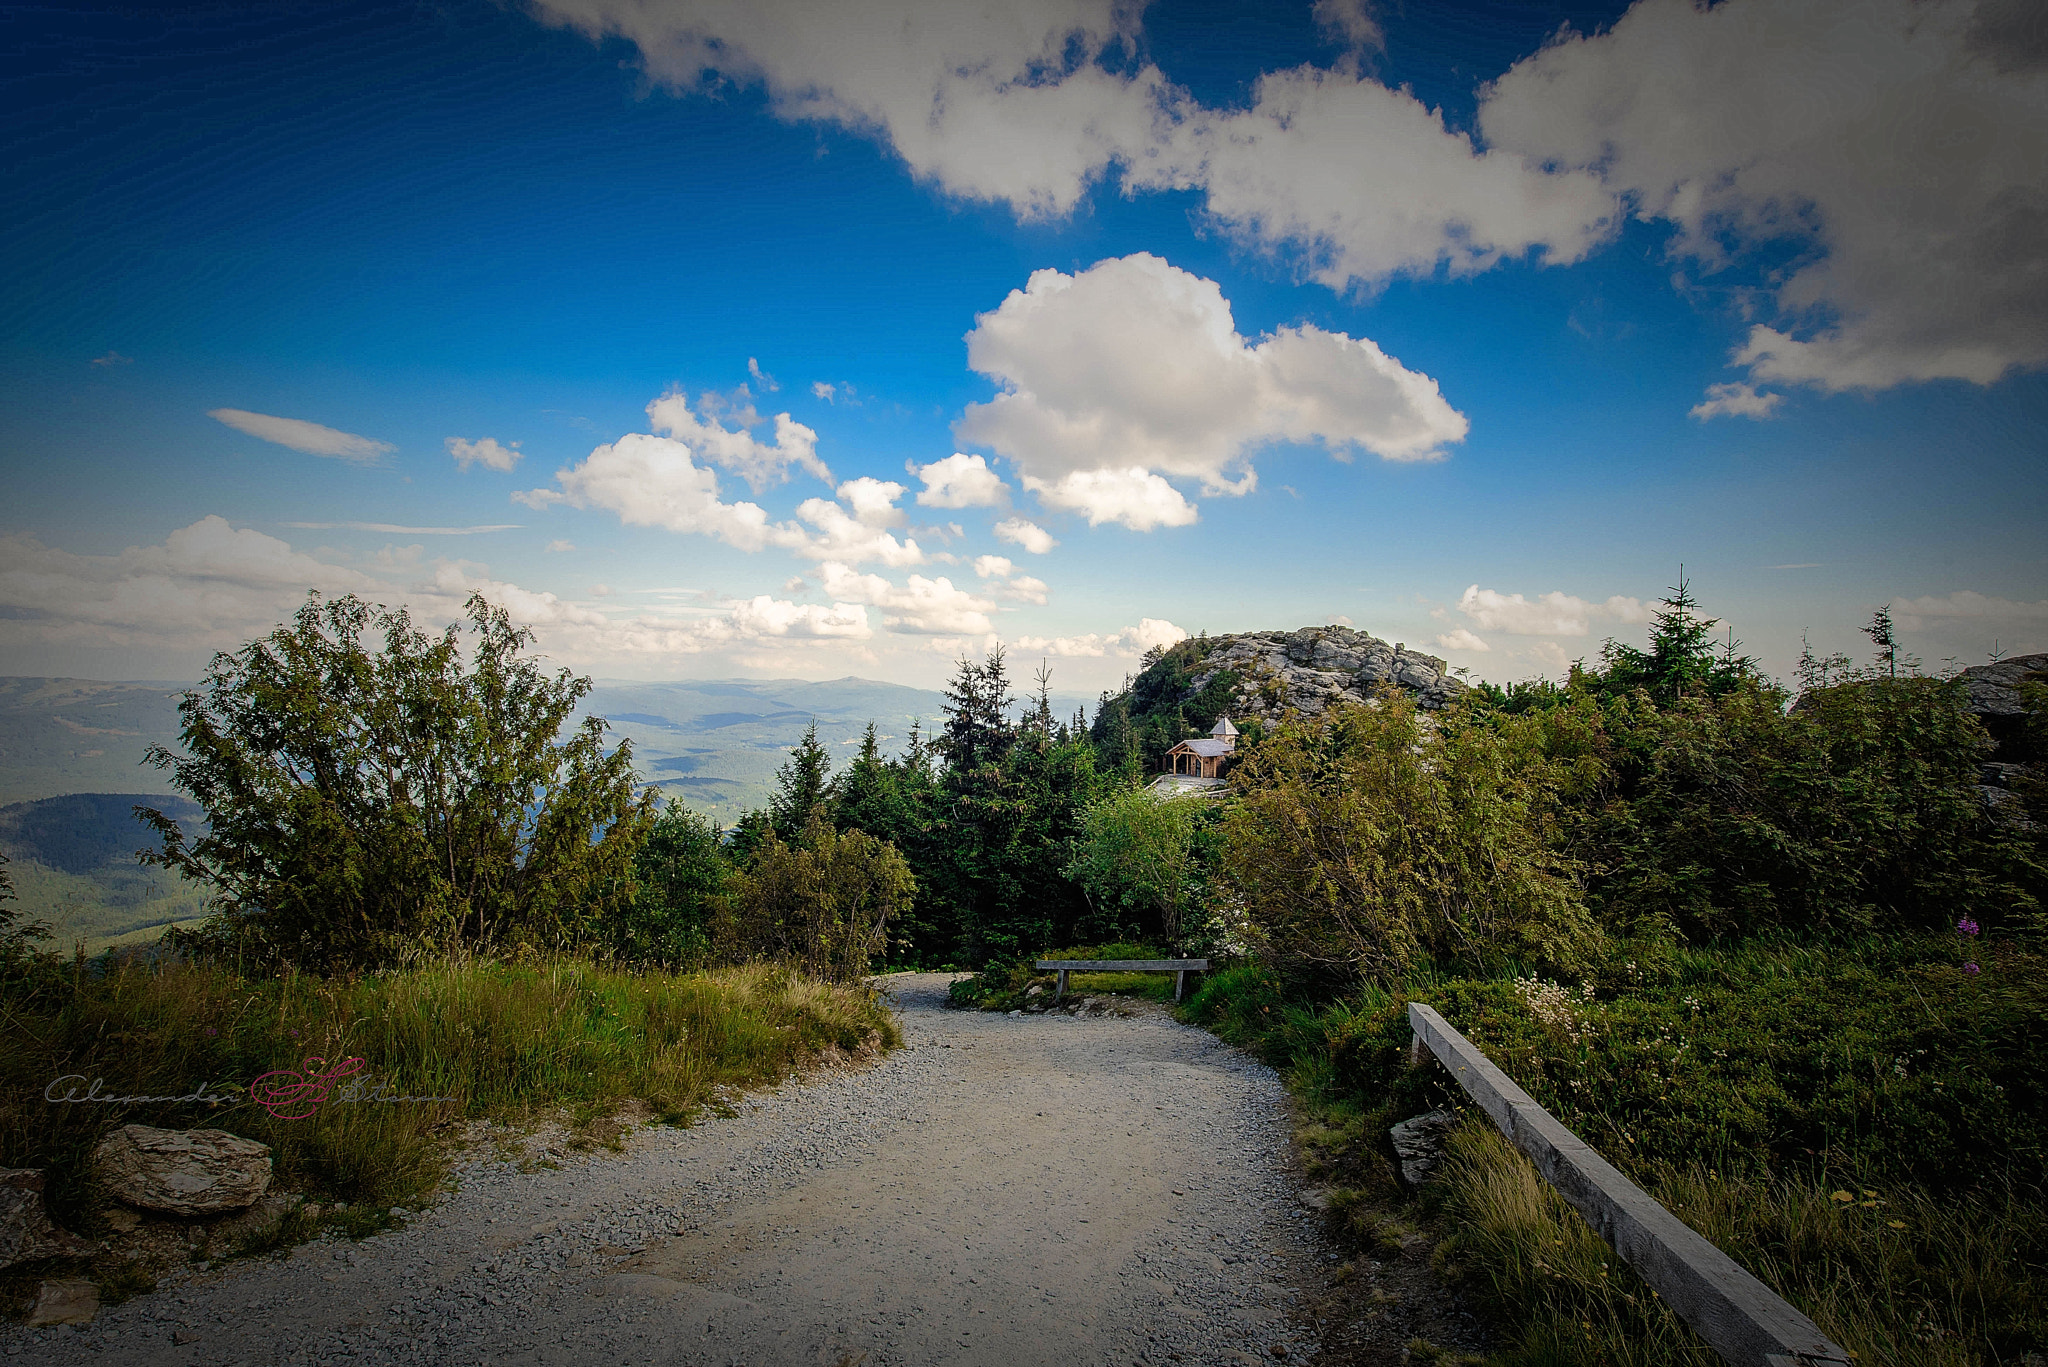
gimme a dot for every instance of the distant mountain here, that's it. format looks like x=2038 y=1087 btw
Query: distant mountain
x=74 y=866
x=82 y=735
x=715 y=744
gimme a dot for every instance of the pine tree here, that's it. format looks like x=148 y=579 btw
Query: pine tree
x=800 y=785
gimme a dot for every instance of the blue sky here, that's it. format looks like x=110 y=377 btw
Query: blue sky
x=1092 y=324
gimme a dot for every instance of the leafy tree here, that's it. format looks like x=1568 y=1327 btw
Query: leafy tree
x=362 y=803
x=801 y=785
x=680 y=872
x=16 y=935
x=1365 y=841
x=1138 y=858
x=823 y=904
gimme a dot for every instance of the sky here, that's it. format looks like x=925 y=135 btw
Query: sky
x=796 y=340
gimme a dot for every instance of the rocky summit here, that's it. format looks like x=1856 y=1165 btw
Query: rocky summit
x=1313 y=668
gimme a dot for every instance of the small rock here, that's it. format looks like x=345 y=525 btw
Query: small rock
x=126 y=1221
x=183 y=1172
x=64 y=1302
x=25 y=1229
x=182 y=1337
x=1419 y=1144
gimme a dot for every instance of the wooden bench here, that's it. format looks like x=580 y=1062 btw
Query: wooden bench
x=1179 y=968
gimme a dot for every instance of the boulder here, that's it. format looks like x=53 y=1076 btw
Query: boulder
x=26 y=1233
x=1419 y=1144
x=183 y=1172
x=64 y=1302
x=1994 y=692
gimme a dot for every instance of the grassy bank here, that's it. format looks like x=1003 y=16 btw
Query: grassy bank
x=518 y=1042
x=1862 y=1125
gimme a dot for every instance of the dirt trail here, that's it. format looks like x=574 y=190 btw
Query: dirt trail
x=1003 y=1191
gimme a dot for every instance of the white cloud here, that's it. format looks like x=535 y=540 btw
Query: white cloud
x=212 y=586
x=299 y=435
x=601 y=590
x=1131 y=641
x=1549 y=614
x=993 y=566
x=400 y=529
x=1012 y=104
x=1968 y=605
x=1900 y=147
x=559 y=545
x=487 y=453
x=921 y=606
x=960 y=481
x=652 y=481
x=112 y=358
x=1135 y=497
x=1133 y=371
x=823 y=389
x=761 y=377
x=1460 y=638
x=736 y=449
x=1735 y=401
x=1023 y=589
x=1019 y=532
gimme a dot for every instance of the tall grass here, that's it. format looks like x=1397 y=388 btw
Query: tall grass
x=1862 y=1124
x=515 y=1041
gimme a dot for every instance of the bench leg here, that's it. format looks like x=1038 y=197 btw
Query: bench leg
x=1180 y=981
x=1061 y=991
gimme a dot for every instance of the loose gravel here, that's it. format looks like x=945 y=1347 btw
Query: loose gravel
x=1004 y=1190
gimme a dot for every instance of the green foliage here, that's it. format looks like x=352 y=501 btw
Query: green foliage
x=823 y=904
x=1855 y=810
x=801 y=785
x=362 y=804
x=1744 y=1086
x=1681 y=662
x=680 y=873
x=1144 y=863
x=1365 y=840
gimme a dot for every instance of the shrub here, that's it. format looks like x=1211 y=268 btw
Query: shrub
x=1368 y=839
x=823 y=904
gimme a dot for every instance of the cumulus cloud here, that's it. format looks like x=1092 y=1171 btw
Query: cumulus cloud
x=1897 y=146
x=488 y=453
x=761 y=377
x=960 y=481
x=823 y=389
x=1015 y=104
x=400 y=529
x=1549 y=614
x=1135 y=640
x=299 y=435
x=1460 y=638
x=1029 y=535
x=736 y=448
x=1900 y=145
x=1735 y=401
x=652 y=481
x=1132 y=372
x=919 y=606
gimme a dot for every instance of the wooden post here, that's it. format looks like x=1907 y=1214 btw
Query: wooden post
x=1056 y=996
x=1180 y=978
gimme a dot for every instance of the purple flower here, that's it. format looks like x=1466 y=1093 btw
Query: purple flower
x=1970 y=968
x=295 y=1034
x=1967 y=926
x=211 y=1032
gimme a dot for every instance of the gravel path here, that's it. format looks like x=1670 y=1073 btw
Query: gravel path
x=1003 y=1191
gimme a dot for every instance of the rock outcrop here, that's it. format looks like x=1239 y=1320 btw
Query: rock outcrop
x=1312 y=669
x=1995 y=697
x=26 y=1233
x=183 y=1172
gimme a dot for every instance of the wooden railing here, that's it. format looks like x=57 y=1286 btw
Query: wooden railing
x=1743 y=1320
